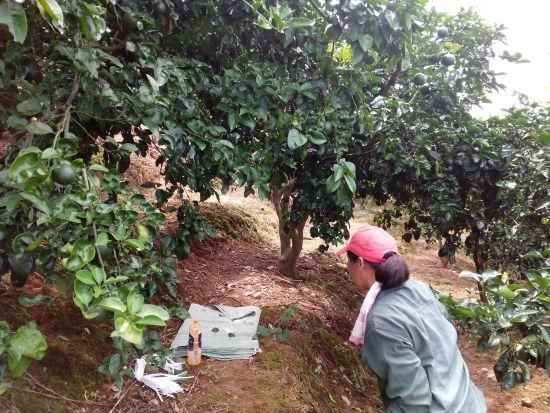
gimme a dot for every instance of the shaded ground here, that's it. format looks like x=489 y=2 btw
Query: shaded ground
x=316 y=371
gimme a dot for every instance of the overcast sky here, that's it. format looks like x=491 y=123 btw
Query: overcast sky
x=527 y=32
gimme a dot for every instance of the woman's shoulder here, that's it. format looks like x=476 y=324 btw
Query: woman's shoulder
x=398 y=305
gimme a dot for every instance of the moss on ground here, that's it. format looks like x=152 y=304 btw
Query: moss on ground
x=319 y=357
x=231 y=222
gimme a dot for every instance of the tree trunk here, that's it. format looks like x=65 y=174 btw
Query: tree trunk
x=292 y=237
x=479 y=263
x=444 y=260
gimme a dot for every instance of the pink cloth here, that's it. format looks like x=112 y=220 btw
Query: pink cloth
x=358 y=333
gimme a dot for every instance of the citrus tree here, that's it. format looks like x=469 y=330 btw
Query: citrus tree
x=360 y=100
x=77 y=100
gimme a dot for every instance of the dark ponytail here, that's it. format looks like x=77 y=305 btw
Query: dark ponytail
x=392 y=272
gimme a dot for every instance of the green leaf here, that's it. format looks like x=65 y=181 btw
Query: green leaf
x=365 y=41
x=522 y=316
x=298 y=23
x=17 y=365
x=317 y=138
x=96 y=167
x=508 y=381
x=332 y=184
x=52 y=9
x=232 y=120
x=114 y=280
x=37 y=201
x=295 y=139
x=29 y=301
x=13 y=15
x=129 y=147
x=102 y=239
x=21 y=170
x=39 y=128
x=167 y=245
x=544 y=333
x=113 y=304
x=29 y=342
x=153 y=310
x=17 y=122
x=82 y=292
x=50 y=153
x=505 y=292
x=135 y=244
x=133 y=334
x=83 y=249
x=351 y=183
x=357 y=55
x=151 y=320
x=134 y=302
x=350 y=168
x=145 y=233
x=525 y=370
x=74 y=263
x=86 y=277
x=29 y=107
x=3 y=388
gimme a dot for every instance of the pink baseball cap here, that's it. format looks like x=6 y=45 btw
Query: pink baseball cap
x=370 y=243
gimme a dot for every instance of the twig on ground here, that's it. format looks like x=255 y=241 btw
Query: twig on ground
x=34 y=381
x=52 y=396
x=191 y=389
x=121 y=397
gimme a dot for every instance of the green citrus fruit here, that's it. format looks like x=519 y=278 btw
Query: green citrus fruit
x=442 y=32
x=160 y=7
x=64 y=175
x=419 y=79
x=434 y=59
x=21 y=266
x=425 y=90
x=369 y=59
x=129 y=20
x=448 y=59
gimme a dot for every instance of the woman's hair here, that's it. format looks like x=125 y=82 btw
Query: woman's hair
x=391 y=273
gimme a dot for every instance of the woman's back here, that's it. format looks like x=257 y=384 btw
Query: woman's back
x=411 y=346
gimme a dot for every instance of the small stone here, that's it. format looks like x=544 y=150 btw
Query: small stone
x=257 y=295
x=527 y=402
x=346 y=400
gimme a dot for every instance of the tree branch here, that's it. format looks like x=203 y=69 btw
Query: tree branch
x=391 y=81
x=112 y=48
x=318 y=9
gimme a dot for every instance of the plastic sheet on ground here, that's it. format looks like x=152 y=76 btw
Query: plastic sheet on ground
x=228 y=333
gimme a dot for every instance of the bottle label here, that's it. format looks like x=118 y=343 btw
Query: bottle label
x=191 y=343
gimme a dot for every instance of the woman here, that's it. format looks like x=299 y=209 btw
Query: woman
x=409 y=342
